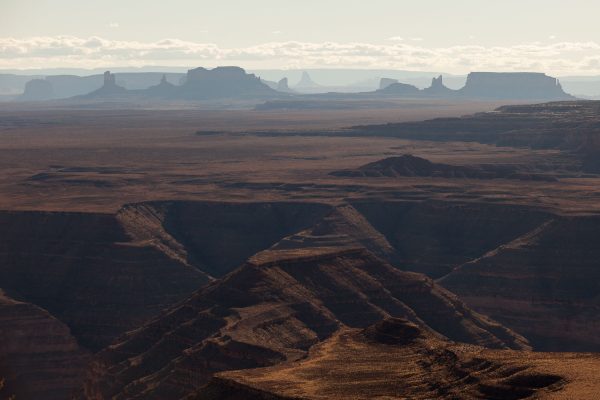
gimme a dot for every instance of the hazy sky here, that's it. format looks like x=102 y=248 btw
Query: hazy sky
x=458 y=36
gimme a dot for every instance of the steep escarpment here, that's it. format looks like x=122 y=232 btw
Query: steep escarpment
x=84 y=270
x=217 y=237
x=544 y=284
x=434 y=237
x=343 y=227
x=393 y=359
x=39 y=359
x=273 y=309
x=573 y=126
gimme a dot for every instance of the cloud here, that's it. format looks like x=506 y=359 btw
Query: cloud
x=396 y=38
x=113 y=25
x=557 y=58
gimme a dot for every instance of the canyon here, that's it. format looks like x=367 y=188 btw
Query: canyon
x=246 y=254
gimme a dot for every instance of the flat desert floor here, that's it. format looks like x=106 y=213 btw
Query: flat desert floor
x=98 y=160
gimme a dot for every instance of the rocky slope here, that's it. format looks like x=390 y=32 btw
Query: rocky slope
x=273 y=309
x=433 y=237
x=217 y=237
x=543 y=284
x=395 y=359
x=103 y=275
x=84 y=269
x=39 y=359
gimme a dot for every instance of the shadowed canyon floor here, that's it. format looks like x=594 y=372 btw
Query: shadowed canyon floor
x=159 y=248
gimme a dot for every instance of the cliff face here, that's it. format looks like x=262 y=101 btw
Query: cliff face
x=84 y=269
x=109 y=89
x=37 y=90
x=217 y=237
x=103 y=275
x=273 y=309
x=521 y=85
x=434 y=237
x=222 y=82
x=39 y=359
x=544 y=284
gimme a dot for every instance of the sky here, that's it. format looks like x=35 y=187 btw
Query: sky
x=459 y=36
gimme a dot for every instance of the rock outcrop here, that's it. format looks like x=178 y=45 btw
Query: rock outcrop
x=398 y=359
x=110 y=89
x=222 y=83
x=518 y=85
x=486 y=85
x=283 y=86
x=39 y=359
x=438 y=89
x=37 y=90
x=306 y=83
x=273 y=309
x=163 y=89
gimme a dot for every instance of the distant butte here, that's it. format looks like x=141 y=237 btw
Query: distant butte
x=408 y=165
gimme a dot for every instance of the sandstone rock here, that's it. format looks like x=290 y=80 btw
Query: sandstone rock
x=272 y=309
x=37 y=90
x=519 y=85
x=396 y=359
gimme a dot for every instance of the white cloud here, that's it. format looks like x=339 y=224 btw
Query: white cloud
x=396 y=38
x=556 y=58
x=113 y=25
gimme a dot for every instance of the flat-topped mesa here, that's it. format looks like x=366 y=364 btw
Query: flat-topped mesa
x=408 y=165
x=37 y=90
x=513 y=85
x=222 y=82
